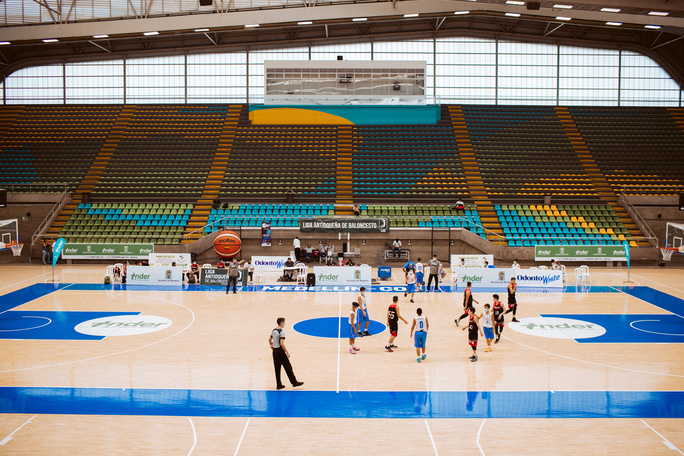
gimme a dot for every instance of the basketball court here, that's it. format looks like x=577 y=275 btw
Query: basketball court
x=116 y=369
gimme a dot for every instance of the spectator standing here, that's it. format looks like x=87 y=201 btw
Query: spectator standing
x=47 y=252
x=250 y=270
x=396 y=248
x=281 y=357
x=435 y=267
x=297 y=245
x=233 y=271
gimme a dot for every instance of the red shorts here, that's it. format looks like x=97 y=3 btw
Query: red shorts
x=473 y=343
x=499 y=324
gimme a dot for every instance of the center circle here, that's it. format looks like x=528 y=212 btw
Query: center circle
x=330 y=327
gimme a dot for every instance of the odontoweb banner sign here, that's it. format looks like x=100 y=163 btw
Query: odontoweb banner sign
x=269 y=263
x=580 y=253
x=344 y=225
x=107 y=251
x=343 y=275
x=155 y=275
x=501 y=277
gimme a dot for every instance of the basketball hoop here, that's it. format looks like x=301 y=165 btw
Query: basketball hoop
x=667 y=253
x=16 y=249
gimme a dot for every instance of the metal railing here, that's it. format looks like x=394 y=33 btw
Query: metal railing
x=50 y=217
x=657 y=189
x=641 y=223
x=37 y=187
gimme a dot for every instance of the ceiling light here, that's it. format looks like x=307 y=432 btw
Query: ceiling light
x=251 y=25
x=563 y=6
x=513 y=14
x=50 y=40
x=514 y=2
x=614 y=23
x=461 y=12
x=411 y=15
x=658 y=13
x=654 y=27
x=2 y=43
x=610 y=10
x=304 y=23
x=202 y=30
x=150 y=33
x=561 y=18
x=360 y=19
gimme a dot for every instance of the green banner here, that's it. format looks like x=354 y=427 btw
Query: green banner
x=580 y=253
x=344 y=225
x=107 y=251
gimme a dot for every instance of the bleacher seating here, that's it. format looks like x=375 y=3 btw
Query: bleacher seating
x=278 y=215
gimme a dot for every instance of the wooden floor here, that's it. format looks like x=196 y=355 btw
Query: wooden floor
x=218 y=341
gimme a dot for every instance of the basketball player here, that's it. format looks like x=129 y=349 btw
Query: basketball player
x=420 y=279
x=352 y=328
x=487 y=326
x=512 y=303
x=473 y=329
x=498 y=314
x=421 y=326
x=362 y=314
x=393 y=317
x=410 y=283
x=467 y=302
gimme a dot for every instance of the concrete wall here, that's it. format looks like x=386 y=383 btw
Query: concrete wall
x=38 y=207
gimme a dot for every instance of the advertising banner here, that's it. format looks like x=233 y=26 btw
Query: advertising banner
x=344 y=225
x=269 y=263
x=155 y=275
x=167 y=259
x=57 y=250
x=471 y=261
x=501 y=277
x=219 y=276
x=342 y=275
x=265 y=234
x=107 y=251
x=580 y=253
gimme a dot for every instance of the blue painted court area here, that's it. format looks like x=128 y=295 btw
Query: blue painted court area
x=28 y=294
x=49 y=325
x=346 y=404
x=632 y=328
x=330 y=327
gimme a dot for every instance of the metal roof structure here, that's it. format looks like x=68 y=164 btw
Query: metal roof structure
x=39 y=32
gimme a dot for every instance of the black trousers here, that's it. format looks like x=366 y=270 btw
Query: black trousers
x=297 y=253
x=430 y=281
x=234 y=280
x=280 y=359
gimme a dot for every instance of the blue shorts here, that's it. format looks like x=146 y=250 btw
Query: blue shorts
x=419 y=339
x=488 y=332
x=352 y=332
x=360 y=317
x=410 y=288
x=419 y=277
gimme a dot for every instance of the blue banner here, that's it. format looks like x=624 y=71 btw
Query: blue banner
x=626 y=246
x=57 y=250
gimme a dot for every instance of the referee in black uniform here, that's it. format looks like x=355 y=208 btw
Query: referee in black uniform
x=281 y=355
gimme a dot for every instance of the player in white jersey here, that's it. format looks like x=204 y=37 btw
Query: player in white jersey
x=420 y=278
x=362 y=313
x=410 y=283
x=420 y=327
x=487 y=326
x=352 y=328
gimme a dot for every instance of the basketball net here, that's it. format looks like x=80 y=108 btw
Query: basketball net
x=667 y=253
x=16 y=249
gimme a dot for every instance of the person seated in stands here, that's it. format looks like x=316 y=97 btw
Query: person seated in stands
x=357 y=210
x=194 y=272
x=220 y=264
x=515 y=264
x=288 y=274
x=309 y=252
x=396 y=248
x=217 y=203
x=460 y=206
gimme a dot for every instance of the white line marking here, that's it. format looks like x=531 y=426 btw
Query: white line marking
x=117 y=353
x=665 y=441
x=241 y=437
x=194 y=436
x=478 y=437
x=28 y=329
x=9 y=437
x=661 y=284
x=14 y=284
x=339 y=343
x=652 y=332
x=591 y=362
x=431 y=439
